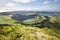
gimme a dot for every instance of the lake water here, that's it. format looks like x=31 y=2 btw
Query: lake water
x=44 y=14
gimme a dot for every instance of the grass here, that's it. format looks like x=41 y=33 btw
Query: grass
x=37 y=19
x=6 y=20
x=18 y=32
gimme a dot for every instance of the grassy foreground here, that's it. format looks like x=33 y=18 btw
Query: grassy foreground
x=19 y=32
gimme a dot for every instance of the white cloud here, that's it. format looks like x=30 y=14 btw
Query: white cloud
x=9 y=8
x=10 y=4
x=5 y=10
x=24 y=1
x=14 y=7
x=56 y=0
x=46 y=2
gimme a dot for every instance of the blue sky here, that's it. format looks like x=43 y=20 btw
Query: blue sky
x=29 y=5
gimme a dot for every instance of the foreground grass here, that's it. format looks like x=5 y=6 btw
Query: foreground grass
x=21 y=32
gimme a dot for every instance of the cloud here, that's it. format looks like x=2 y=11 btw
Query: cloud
x=56 y=0
x=46 y=2
x=24 y=1
x=5 y=11
x=13 y=6
x=10 y=4
x=10 y=7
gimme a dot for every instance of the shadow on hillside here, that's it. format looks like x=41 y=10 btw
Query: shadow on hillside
x=5 y=25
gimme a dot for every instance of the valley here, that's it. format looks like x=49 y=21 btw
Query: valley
x=35 y=26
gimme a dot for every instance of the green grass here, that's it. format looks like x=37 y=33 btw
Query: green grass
x=19 y=32
x=37 y=19
x=6 y=20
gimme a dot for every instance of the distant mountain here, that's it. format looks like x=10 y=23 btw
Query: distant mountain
x=30 y=13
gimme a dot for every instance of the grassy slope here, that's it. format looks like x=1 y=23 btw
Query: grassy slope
x=6 y=20
x=22 y=32
x=19 y=32
x=37 y=19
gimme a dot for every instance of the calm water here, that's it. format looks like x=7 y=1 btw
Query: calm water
x=44 y=14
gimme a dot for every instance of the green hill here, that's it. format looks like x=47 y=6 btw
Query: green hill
x=6 y=19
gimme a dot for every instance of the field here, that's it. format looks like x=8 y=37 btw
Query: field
x=40 y=28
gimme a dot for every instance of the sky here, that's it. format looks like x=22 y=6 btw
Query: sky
x=29 y=5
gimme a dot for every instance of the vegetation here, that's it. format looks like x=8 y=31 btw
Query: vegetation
x=6 y=20
x=43 y=28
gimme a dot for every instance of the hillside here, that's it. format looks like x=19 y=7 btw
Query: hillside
x=41 y=30
x=6 y=19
